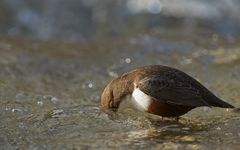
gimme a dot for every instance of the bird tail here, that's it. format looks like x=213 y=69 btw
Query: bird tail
x=220 y=103
x=217 y=102
x=223 y=104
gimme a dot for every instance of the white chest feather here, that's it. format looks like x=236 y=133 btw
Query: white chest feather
x=141 y=99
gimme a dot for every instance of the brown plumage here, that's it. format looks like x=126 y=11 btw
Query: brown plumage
x=160 y=90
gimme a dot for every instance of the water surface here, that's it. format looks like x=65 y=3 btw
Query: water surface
x=50 y=91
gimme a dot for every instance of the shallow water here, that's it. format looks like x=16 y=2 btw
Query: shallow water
x=50 y=92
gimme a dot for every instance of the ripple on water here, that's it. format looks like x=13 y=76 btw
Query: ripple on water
x=50 y=96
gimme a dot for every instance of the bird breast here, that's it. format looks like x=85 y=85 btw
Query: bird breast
x=141 y=100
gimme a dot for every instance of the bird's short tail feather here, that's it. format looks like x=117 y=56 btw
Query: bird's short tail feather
x=217 y=102
x=223 y=104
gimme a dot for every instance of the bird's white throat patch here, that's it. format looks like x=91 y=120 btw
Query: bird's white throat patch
x=141 y=99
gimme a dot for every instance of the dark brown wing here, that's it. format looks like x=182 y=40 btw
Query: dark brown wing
x=171 y=91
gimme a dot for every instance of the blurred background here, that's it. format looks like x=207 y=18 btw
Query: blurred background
x=56 y=57
x=91 y=19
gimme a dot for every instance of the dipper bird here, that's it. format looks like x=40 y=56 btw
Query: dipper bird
x=160 y=90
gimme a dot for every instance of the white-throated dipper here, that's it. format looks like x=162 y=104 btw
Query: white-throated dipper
x=160 y=90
